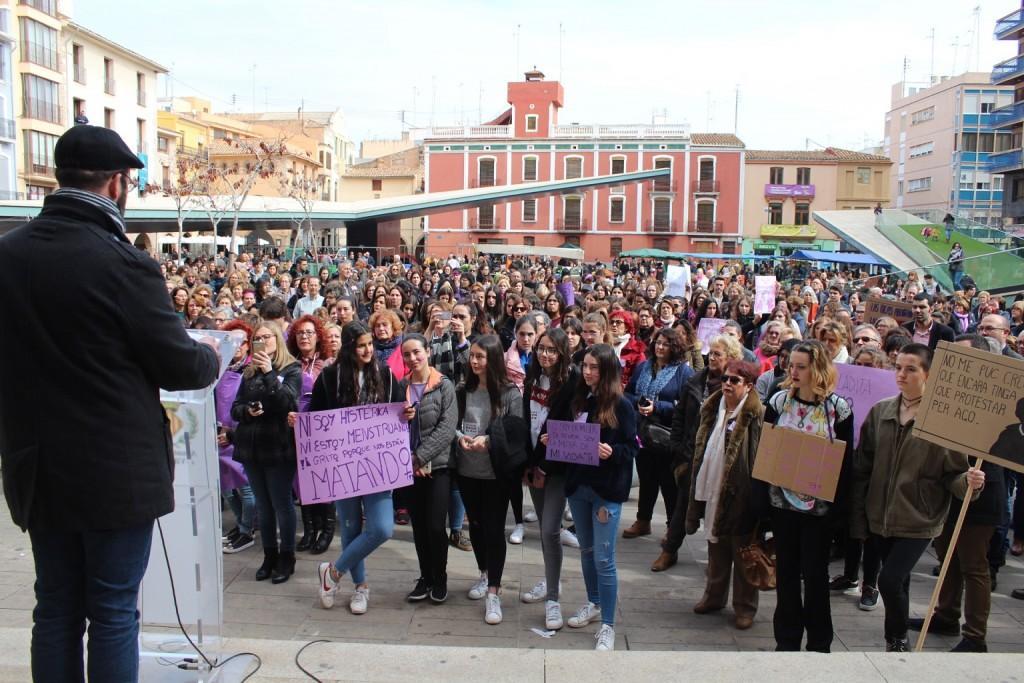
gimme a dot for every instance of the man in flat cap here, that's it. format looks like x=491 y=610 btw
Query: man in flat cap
x=84 y=441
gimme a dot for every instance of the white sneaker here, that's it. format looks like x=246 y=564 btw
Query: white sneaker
x=567 y=515
x=605 y=638
x=588 y=613
x=360 y=601
x=530 y=517
x=552 y=615
x=516 y=537
x=537 y=593
x=569 y=538
x=492 y=611
x=479 y=589
x=328 y=586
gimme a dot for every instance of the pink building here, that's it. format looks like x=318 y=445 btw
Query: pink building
x=699 y=209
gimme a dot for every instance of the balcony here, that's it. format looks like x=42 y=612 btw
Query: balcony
x=1010 y=26
x=661 y=130
x=484 y=224
x=43 y=56
x=571 y=225
x=39 y=167
x=193 y=152
x=79 y=73
x=1009 y=72
x=1004 y=162
x=459 y=132
x=484 y=182
x=661 y=226
x=51 y=7
x=662 y=185
x=43 y=110
x=704 y=226
x=777 y=190
x=140 y=98
x=704 y=186
x=1008 y=116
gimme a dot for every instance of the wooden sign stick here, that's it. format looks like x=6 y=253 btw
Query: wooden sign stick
x=945 y=565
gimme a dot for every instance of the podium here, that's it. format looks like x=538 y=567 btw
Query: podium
x=192 y=534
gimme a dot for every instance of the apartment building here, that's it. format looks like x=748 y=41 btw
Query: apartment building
x=8 y=134
x=1009 y=120
x=397 y=174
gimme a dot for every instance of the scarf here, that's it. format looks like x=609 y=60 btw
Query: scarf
x=384 y=349
x=650 y=385
x=709 y=480
x=620 y=343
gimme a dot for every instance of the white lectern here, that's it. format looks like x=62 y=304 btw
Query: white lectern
x=192 y=535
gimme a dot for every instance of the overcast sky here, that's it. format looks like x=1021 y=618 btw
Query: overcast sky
x=817 y=69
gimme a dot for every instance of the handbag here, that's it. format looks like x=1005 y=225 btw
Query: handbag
x=757 y=562
x=654 y=436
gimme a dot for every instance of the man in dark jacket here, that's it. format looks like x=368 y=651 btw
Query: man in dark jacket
x=85 y=444
x=922 y=328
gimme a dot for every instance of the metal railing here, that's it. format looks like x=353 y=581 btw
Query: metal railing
x=663 y=185
x=42 y=55
x=661 y=225
x=140 y=98
x=704 y=226
x=571 y=224
x=43 y=110
x=482 y=182
x=1008 y=70
x=1009 y=115
x=704 y=186
x=79 y=73
x=109 y=85
x=34 y=166
x=483 y=224
x=1009 y=25
x=1004 y=161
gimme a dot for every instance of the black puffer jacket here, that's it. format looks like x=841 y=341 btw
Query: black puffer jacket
x=267 y=439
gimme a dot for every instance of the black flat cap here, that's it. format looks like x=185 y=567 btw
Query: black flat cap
x=92 y=148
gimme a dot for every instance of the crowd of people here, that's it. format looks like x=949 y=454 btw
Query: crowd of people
x=484 y=352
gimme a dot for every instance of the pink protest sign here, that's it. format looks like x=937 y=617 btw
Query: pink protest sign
x=862 y=388
x=708 y=329
x=352 y=452
x=574 y=442
x=764 y=294
x=567 y=292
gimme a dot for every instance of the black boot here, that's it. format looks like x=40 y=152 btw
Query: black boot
x=269 y=562
x=323 y=540
x=284 y=568
x=308 y=529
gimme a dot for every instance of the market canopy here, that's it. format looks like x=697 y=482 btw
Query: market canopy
x=837 y=257
x=574 y=253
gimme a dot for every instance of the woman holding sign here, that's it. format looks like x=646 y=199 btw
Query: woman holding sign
x=803 y=525
x=902 y=488
x=596 y=493
x=356 y=378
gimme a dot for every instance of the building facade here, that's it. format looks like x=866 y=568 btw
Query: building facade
x=698 y=209
x=782 y=189
x=1009 y=120
x=393 y=175
x=8 y=133
x=940 y=136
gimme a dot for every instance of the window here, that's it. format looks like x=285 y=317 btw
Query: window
x=485 y=171
x=1004 y=142
x=661 y=243
x=42 y=99
x=617 y=210
x=48 y=6
x=377 y=185
x=899 y=187
x=775 y=213
x=573 y=167
x=922 y=150
x=663 y=184
x=108 y=118
x=919 y=184
x=78 y=62
x=863 y=175
x=803 y=176
x=618 y=165
x=922 y=115
x=162 y=144
x=40 y=152
x=108 y=76
x=574 y=240
x=775 y=175
x=39 y=44
x=803 y=214
x=529 y=241
x=663 y=214
x=140 y=125
x=573 y=218
x=997 y=182
x=529 y=168
x=486 y=216
x=532 y=123
x=37 y=191
x=529 y=210
x=140 y=89
x=616 y=246
x=706 y=170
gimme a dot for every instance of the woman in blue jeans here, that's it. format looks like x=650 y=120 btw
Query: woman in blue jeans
x=366 y=522
x=596 y=493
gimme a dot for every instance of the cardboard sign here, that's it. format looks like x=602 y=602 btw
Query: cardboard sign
x=574 y=442
x=974 y=403
x=764 y=294
x=800 y=462
x=677 y=280
x=352 y=452
x=877 y=307
x=708 y=329
x=862 y=388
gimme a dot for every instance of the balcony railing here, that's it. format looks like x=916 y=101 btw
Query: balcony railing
x=483 y=224
x=484 y=182
x=41 y=55
x=38 y=167
x=704 y=226
x=79 y=73
x=571 y=224
x=661 y=130
x=663 y=185
x=1009 y=71
x=109 y=86
x=661 y=226
x=1004 y=161
x=193 y=152
x=1007 y=116
x=43 y=110
x=141 y=97
x=467 y=132
x=1010 y=26
x=705 y=186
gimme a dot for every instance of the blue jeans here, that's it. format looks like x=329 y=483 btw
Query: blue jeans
x=597 y=525
x=456 y=508
x=94 y=576
x=958 y=275
x=359 y=540
x=272 y=486
x=243 y=503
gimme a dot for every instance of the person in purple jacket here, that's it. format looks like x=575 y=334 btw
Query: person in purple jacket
x=234 y=485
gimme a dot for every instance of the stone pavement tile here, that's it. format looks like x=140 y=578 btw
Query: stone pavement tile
x=15 y=617
x=927 y=668
x=688 y=637
x=637 y=646
x=344 y=629
x=755 y=643
x=268 y=631
x=508 y=628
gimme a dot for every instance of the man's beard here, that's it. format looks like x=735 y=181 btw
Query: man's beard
x=122 y=198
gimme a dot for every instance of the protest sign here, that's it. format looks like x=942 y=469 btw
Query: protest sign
x=352 y=452
x=677 y=280
x=877 y=307
x=862 y=388
x=800 y=462
x=974 y=403
x=708 y=329
x=573 y=442
x=764 y=294
x=567 y=292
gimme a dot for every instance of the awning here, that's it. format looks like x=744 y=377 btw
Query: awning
x=837 y=257
x=522 y=250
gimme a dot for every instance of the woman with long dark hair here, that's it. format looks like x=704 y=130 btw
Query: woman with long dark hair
x=356 y=378
x=551 y=383
x=515 y=307
x=487 y=396
x=596 y=493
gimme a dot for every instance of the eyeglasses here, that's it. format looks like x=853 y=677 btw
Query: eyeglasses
x=305 y=333
x=864 y=339
x=547 y=351
x=520 y=308
x=732 y=379
x=616 y=323
x=991 y=328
